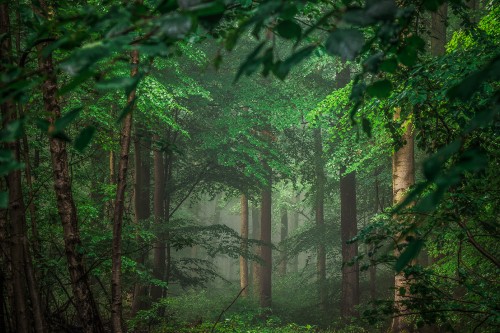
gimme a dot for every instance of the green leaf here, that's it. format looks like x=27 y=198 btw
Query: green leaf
x=281 y=69
x=367 y=127
x=389 y=65
x=78 y=80
x=289 y=29
x=4 y=199
x=346 y=43
x=432 y=5
x=84 y=138
x=251 y=63
x=12 y=131
x=380 y=89
x=411 y=252
x=381 y=10
x=115 y=83
x=67 y=119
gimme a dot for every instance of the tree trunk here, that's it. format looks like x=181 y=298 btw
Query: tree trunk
x=159 y=215
x=319 y=187
x=349 y=229
x=283 y=236
x=294 y=261
x=255 y=265
x=438 y=28
x=244 y=246
x=126 y=135
x=403 y=176
x=15 y=203
x=86 y=307
x=142 y=209
x=265 y=270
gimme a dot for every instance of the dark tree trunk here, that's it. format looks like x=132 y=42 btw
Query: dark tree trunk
x=244 y=246
x=283 y=236
x=86 y=307
x=126 y=136
x=159 y=215
x=438 y=30
x=319 y=187
x=142 y=208
x=255 y=266
x=349 y=229
x=265 y=270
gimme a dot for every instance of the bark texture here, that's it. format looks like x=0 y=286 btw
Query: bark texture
x=255 y=266
x=319 y=187
x=126 y=135
x=403 y=176
x=349 y=229
x=244 y=246
x=265 y=270
x=159 y=216
x=142 y=207
x=438 y=28
x=86 y=307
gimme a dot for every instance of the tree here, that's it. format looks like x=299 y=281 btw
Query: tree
x=244 y=246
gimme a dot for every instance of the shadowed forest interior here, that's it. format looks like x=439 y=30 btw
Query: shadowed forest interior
x=249 y=166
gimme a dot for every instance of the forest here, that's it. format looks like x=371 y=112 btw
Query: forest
x=252 y=166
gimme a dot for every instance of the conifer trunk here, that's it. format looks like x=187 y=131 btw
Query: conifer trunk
x=265 y=270
x=349 y=229
x=126 y=136
x=283 y=236
x=142 y=208
x=244 y=246
x=159 y=215
x=319 y=187
x=255 y=266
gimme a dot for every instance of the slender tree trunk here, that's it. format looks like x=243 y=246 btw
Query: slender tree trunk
x=349 y=229
x=244 y=246
x=403 y=176
x=255 y=266
x=142 y=209
x=265 y=270
x=373 y=268
x=283 y=236
x=159 y=215
x=126 y=136
x=86 y=307
x=319 y=187
x=294 y=261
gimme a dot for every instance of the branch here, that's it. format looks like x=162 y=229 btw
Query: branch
x=220 y=315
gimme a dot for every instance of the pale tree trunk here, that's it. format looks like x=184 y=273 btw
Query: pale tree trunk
x=319 y=187
x=159 y=215
x=403 y=176
x=86 y=307
x=126 y=135
x=142 y=208
x=255 y=266
x=265 y=270
x=349 y=229
x=244 y=246
x=283 y=236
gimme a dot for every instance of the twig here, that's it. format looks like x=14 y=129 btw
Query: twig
x=220 y=315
